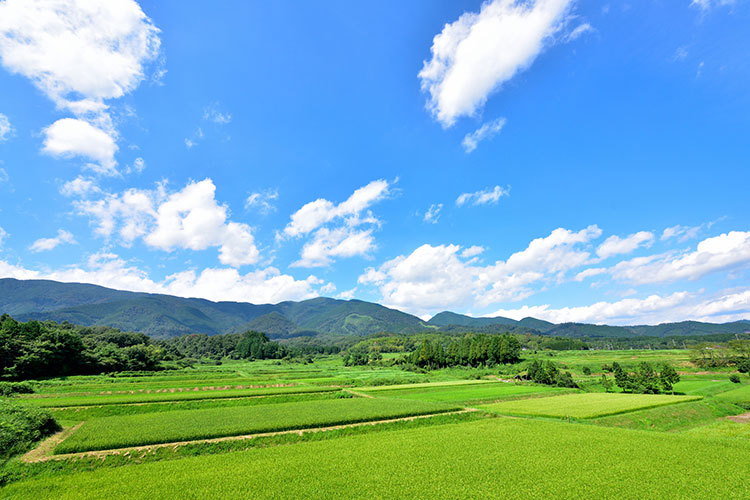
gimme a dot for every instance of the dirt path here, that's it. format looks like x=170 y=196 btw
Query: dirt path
x=43 y=452
x=45 y=447
x=743 y=419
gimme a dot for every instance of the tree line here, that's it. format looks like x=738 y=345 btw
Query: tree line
x=471 y=350
x=39 y=349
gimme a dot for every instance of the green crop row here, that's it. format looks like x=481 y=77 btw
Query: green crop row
x=494 y=458
x=184 y=425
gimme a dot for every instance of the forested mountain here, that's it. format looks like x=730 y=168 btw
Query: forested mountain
x=166 y=316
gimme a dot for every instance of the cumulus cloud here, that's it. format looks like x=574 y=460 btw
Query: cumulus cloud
x=263 y=201
x=187 y=219
x=69 y=137
x=485 y=197
x=80 y=54
x=335 y=226
x=80 y=186
x=6 y=129
x=45 y=244
x=614 y=245
x=486 y=131
x=726 y=251
x=260 y=286
x=446 y=276
x=339 y=242
x=476 y=54
x=654 y=309
x=433 y=213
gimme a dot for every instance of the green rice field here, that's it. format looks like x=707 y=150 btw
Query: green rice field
x=585 y=405
x=466 y=392
x=183 y=425
x=507 y=458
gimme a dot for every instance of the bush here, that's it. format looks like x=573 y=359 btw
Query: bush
x=744 y=366
x=10 y=388
x=21 y=426
x=586 y=370
x=734 y=378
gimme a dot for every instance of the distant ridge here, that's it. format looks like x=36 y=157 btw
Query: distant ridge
x=161 y=315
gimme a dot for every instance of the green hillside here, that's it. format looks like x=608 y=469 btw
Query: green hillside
x=167 y=316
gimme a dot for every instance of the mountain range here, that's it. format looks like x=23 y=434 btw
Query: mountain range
x=163 y=316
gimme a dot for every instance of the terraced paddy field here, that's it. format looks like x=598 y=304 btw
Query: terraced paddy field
x=466 y=393
x=184 y=425
x=490 y=458
x=589 y=405
x=144 y=397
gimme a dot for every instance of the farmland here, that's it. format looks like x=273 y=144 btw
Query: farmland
x=331 y=431
x=585 y=405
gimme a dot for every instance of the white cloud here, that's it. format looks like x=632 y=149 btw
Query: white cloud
x=587 y=273
x=579 y=31
x=4 y=177
x=69 y=137
x=80 y=186
x=137 y=167
x=321 y=211
x=342 y=240
x=614 y=245
x=6 y=129
x=78 y=48
x=438 y=277
x=219 y=284
x=263 y=201
x=654 y=309
x=684 y=233
x=189 y=219
x=486 y=131
x=45 y=244
x=476 y=54
x=472 y=251
x=347 y=294
x=485 y=197
x=432 y=215
x=193 y=140
x=726 y=251
x=3 y=234
x=706 y=5
x=213 y=114
x=339 y=242
x=80 y=54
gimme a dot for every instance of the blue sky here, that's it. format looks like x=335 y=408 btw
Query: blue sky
x=568 y=160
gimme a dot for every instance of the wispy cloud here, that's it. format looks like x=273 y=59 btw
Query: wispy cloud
x=486 y=131
x=484 y=197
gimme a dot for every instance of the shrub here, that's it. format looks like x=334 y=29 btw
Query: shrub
x=10 y=388
x=20 y=426
x=744 y=366
x=734 y=378
x=586 y=370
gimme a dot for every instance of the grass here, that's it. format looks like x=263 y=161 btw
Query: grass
x=585 y=405
x=69 y=401
x=739 y=396
x=184 y=425
x=508 y=458
x=467 y=392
